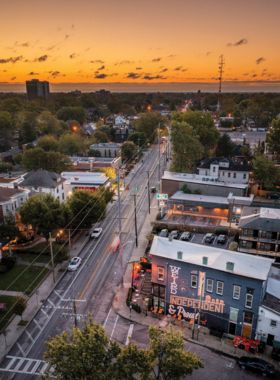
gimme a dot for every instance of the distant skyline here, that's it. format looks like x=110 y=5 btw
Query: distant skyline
x=154 y=45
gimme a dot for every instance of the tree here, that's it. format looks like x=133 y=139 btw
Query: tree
x=109 y=172
x=225 y=146
x=186 y=147
x=9 y=228
x=233 y=246
x=106 y=130
x=6 y=130
x=71 y=144
x=48 y=143
x=135 y=136
x=37 y=158
x=94 y=153
x=273 y=137
x=100 y=137
x=49 y=124
x=5 y=167
x=18 y=158
x=237 y=117
x=20 y=306
x=72 y=113
x=148 y=125
x=127 y=150
x=12 y=105
x=90 y=354
x=246 y=151
x=265 y=172
x=92 y=205
x=44 y=213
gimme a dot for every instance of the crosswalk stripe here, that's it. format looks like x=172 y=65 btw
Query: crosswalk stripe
x=19 y=346
x=11 y=363
x=17 y=367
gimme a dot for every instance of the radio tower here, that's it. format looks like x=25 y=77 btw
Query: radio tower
x=221 y=65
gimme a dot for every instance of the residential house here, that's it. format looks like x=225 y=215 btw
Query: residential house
x=11 y=200
x=9 y=155
x=260 y=231
x=119 y=121
x=122 y=134
x=107 y=149
x=228 y=286
x=42 y=181
x=89 y=128
x=225 y=169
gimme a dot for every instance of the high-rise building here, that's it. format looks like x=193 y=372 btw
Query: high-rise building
x=35 y=88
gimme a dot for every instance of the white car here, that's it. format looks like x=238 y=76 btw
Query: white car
x=74 y=264
x=96 y=233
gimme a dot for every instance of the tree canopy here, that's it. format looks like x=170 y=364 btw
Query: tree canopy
x=47 y=143
x=148 y=124
x=225 y=146
x=265 y=172
x=135 y=136
x=273 y=137
x=127 y=150
x=72 y=113
x=9 y=228
x=71 y=144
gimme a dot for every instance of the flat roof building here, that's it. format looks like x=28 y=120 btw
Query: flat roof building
x=35 y=88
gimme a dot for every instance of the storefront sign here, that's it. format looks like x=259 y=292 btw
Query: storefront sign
x=210 y=304
x=201 y=283
x=174 y=275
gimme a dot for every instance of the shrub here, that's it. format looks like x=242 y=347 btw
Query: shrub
x=28 y=291
x=233 y=246
x=159 y=217
x=220 y=231
x=136 y=307
x=9 y=262
x=150 y=237
x=3 y=269
x=129 y=296
x=236 y=237
x=20 y=306
x=185 y=189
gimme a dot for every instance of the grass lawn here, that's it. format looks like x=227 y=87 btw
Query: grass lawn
x=30 y=257
x=22 y=280
x=9 y=301
x=35 y=253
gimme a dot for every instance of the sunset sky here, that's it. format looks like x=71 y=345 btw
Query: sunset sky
x=155 y=45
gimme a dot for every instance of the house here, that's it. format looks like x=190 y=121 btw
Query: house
x=84 y=181
x=89 y=128
x=268 y=328
x=11 y=200
x=259 y=231
x=172 y=182
x=119 y=121
x=122 y=134
x=10 y=155
x=107 y=149
x=42 y=181
x=227 y=285
x=110 y=120
x=225 y=169
x=90 y=163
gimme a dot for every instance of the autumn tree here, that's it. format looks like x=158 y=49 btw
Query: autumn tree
x=71 y=144
x=137 y=137
x=49 y=124
x=37 y=158
x=100 y=137
x=186 y=147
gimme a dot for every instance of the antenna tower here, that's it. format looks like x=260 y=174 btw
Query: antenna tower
x=221 y=66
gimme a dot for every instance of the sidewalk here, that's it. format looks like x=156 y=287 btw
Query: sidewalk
x=222 y=346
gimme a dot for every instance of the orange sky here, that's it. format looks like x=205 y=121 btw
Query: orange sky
x=172 y=44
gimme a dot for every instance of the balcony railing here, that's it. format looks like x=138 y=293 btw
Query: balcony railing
x=259 y=252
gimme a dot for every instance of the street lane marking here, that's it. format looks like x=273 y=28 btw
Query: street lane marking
x=129 y=333
x=114 y=326
x=40 y=328
x=44 y=312
x=51 y=302
x=107 y=318
x=57 y=294
x=21 y=349
x=192 y=238
x=28 y=333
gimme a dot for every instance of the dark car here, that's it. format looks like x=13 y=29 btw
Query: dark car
x=209 y=238
x=175 y=234
x=163 y=233
x=221 y=239
x=186 y=236
x=273 y=196
x=256 y=365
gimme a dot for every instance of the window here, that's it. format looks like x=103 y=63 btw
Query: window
x=245 y=232
x=205 y=260
x=236 y=292
x=244 y=243
x=62 y=186
x=160 y=273
x=13 y=207
x=273 y=323
x=248 y=318
x=223 y=174
x=209 y=286
x=7 y=208
x=62 y=196
x=21 y=200
x=234 y=175
x=220 y=287
x=262 y=246
x=179 y=255
x=249 y=301
x=194 y=281
x=214 y=169
x=57 y=189
x=206 y=172
x=245 y=176
x=228 y=175
x=263 y=234
x=230 y=266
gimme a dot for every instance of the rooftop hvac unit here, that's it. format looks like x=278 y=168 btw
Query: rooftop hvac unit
x=203 y=179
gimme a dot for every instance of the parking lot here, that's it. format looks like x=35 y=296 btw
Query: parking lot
x=191 y=220
x=200 y=239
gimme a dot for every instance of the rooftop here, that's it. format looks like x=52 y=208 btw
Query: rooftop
x=6 y=193
x=105 y=145
x=232 y=165
x=41 y=178
x=260 y=218
x=244 y=265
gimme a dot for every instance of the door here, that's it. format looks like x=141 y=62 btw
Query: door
x=246 y=331
x=232 y=328
x=270 y=340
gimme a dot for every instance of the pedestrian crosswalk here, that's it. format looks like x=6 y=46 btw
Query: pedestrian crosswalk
x=25 y=366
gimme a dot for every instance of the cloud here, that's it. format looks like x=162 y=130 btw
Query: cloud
x=67 y=36
x=133 y=75
x=138 y=68
x=13 y=78
x=246 y=74
x=101 y=68
x=148 y=77
x=260 y=60
x=73 y=27
x=264 y=69
x=172 y=56
x=74 y=55
x=101 y=76
x=97 y=61
x=124 y=63
x=208 y=53
x=178 y=68
x=243 y=41
x=164 y=70
x=52 y=47
x=32 y=73
x=12 y=59
x=255 y=75
x=156 y=59
x=184 y=70
x=43 y=58
x=87 y=49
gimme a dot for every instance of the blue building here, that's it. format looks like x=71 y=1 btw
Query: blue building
x=228 y=285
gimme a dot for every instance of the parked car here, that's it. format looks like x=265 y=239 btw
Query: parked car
x=273 y=196
x=209 y=238
x=163 y=233
x=186 y=236
x=74 y=264
x=221 y=239
x=96 y=233
x=175 y=234
x=256 y=365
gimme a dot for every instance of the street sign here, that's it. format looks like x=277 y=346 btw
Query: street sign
x=162 y=197
x=162 y=203
x=136 y=188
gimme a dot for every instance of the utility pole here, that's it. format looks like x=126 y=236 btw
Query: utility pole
x=149 y=200
x=158 y=157
x=135 y=220
x=69 y=231
x=193 y=323
x=75 y=315
x=75 y=312
x=50 y=236
x=138 y=149
x=231 y=212
x=120 y=224
x=221 y=64
x=200 y=303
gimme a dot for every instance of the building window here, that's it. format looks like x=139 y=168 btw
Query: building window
x=236 y=292
x=244 y=243
x=63 y=196
x=249 y=301
x=223 y=174
x=13 y=207
x=179 y=255
x=263 y=234
x=214 y=169
x=21 y=200
x=234 y=175
x=206 y=172
x=273 y=323
x=245 y=232
x=57 y=189
x=160 y=273
x=245 y=176
x=7 y=208
x=220 y=288
x=262 y=246
x=62 y=186
x=209 y=287
x=205 y=260
x=230 y=266
x=194 y=281
x=228 y=175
